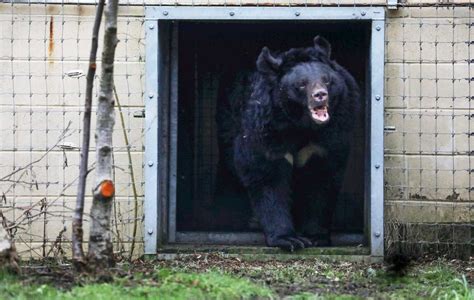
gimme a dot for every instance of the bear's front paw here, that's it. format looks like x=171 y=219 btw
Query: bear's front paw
x=320 y=240
x=318 y=235
x=289 y=242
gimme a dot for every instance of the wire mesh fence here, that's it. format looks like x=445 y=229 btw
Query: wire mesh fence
x=428 y=145
x=44 y=58
x=44 y=50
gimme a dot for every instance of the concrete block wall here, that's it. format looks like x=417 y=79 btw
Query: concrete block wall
x=39 y=102
x=428 y=146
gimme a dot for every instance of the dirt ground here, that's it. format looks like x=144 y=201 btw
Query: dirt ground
x=285 y=278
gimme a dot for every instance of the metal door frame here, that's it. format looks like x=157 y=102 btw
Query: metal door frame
x=161 y=94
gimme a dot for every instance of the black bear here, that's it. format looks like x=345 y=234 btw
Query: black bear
x=287 y=135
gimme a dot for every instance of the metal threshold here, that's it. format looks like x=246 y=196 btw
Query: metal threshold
x=260 y=253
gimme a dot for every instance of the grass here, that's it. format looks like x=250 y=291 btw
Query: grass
x=224 y=278
x=164 y=284
x=434 y=282
x=318 y=280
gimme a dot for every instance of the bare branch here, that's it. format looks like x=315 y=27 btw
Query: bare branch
x=77 y=230
x=132 y=176
x=62 y=136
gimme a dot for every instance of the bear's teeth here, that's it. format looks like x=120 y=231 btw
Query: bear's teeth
x=320 y=114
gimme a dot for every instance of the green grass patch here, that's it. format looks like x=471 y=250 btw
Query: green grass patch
x=224 y=278
x=318 y=280
x=165 y=284
x=433 y=282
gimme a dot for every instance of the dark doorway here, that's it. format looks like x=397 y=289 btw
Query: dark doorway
x=210 y=57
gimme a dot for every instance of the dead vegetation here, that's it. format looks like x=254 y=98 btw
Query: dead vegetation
x=300 y=279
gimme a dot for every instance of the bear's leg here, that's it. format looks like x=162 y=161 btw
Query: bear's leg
x=271 y=203
x=317 y=187
x=321 y=204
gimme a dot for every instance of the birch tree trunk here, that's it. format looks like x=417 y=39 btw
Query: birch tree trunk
x=77 y=231
x=100 y=243
x=8 y=256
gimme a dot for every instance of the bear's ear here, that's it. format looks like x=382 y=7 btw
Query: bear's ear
x=266 y=63
x=323 y=44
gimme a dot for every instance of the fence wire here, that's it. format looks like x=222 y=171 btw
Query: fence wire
x=44 y=50
x=428 y=140
x=44 y=58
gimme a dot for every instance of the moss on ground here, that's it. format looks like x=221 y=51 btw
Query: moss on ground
x=217 y=277
x=162 y=284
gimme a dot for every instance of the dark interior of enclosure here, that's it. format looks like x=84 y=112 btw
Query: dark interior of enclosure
x=210 y=56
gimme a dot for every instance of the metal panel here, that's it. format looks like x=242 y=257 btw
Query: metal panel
x=164 y=63
x=235 y=3
x=392 y=4
x=173 y=134
x=376 y=138
x=202 y=3
x=253 y=238
x=265 y=13
x=156 y=134
x=151 y=138
x=229 y=238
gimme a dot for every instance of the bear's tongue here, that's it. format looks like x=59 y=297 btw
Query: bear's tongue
x=320 y=114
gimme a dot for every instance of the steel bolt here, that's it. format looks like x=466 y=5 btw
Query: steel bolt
x=297 y=13
x=378 y=28
x=150 y=231
x=150 y=163
x=165 y=13
x=232 y=13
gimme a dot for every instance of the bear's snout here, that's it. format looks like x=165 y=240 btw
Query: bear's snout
x=320 y=95
x=318 y=104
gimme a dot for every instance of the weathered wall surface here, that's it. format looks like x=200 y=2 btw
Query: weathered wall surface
x=429 y=86
x=39 y=46
x=428 y=156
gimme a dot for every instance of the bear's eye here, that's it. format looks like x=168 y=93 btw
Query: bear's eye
x=327 y=81
x=302 y=86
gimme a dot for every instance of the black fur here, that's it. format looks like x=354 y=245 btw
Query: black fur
x=267 y=117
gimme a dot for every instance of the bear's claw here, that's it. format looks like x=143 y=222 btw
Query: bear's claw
x=290 y=243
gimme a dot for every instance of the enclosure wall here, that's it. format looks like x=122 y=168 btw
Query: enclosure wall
x=44 y=49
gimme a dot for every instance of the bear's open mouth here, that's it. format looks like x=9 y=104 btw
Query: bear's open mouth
x=320 y=114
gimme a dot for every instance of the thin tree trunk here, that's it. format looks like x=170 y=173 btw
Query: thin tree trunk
x=77 y=231
x=8 y=256
x=100 y=243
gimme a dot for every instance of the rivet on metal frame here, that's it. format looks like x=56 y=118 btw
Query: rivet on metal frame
x=378 y=28
x=151 y=95
x=377 y=166
x=377 y=234
x=231 y=13
x=151 y=26
x=150 y=231
x=150 y=163
x=363 y=13
x=297 y=13
x=377 y=97
x=165 y=13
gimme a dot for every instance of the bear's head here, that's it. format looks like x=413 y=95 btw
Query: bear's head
x=306 y=83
